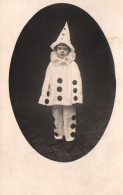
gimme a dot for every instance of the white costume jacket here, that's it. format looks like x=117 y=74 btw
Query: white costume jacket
x=62 y=84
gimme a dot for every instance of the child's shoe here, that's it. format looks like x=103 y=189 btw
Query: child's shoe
x=55 y=142
x=70 y=145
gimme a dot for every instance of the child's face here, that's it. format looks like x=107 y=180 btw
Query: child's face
x=62 y=51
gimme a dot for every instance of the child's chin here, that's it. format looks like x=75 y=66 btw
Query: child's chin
x=61 y=57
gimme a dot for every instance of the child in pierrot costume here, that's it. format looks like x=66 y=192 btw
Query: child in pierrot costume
x=62 y=88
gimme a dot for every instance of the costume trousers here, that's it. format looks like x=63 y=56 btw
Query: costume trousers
x=64 y=122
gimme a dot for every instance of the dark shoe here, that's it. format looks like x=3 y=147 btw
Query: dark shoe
x=70 y=145
x=55 y=142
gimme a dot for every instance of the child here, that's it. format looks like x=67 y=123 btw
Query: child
x=62 y=88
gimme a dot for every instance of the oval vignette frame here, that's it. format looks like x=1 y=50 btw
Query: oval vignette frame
x=30 y=59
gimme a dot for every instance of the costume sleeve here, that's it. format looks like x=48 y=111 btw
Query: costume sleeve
x=46 y=84
x=47 y=78
x=77 y=82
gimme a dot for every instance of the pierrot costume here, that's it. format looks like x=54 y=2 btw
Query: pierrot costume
x=62 y=88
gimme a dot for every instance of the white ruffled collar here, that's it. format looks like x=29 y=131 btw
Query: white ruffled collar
x=58 y=61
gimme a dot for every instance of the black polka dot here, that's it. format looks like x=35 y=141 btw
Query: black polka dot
x=73 y=117
x=59 y=89
x=75 y=98
x=64 y=28
x=54 y=126
x=56 y=134
x=59 y=98
x=48 y=93
x=73 y=126
x=46 y=101
x=53 y=119
x=74 y=82
x=75 y=90
x=59 y=80
x=72 y=134
x=63 y=34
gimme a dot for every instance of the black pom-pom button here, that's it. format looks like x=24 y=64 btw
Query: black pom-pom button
x=48 y=93
x=59 y=89
x=59 y=80
x=74 y=82
x=72 y=134
x=46 y=101
x=73 y=117
x=59 y=98
x=75 y=98
x=75 y=90
x=56 y=134
x=73 y=126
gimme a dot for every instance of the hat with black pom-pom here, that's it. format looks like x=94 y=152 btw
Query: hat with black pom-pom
x=64 y=37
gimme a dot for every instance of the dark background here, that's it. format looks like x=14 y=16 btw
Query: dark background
x=30 y=59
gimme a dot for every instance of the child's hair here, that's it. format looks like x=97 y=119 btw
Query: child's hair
x=62 y=44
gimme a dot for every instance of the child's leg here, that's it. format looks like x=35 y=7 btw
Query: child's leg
x=57 y=111
x=69 y=114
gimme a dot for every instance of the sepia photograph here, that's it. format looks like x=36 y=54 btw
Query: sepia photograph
x=61 y=97
x=62 y=82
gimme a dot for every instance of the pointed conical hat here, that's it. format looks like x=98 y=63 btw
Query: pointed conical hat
x=64 y=37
